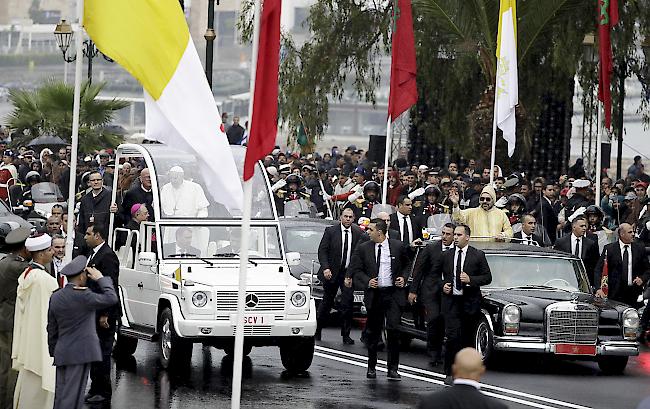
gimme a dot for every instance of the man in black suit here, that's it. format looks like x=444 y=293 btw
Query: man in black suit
x=527 y=234
x=426 y=289
x=183 y=245
x=463 y=271
x=628 y=268
x=334 y=255
x=580 y=245
x=379 y=266
x=547 y=210
x=465 y=394
x=104 y=259
x=403 y=221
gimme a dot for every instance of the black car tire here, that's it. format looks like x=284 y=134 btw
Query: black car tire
x=174 y=350
x=484 y=340
x=124 y=346
x=297 y=354
x=612 y=365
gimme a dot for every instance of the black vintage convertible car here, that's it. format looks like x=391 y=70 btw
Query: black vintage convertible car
x=540 y=301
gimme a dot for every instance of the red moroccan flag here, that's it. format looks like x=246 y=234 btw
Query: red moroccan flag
x=403 y=90
x=264 y=124
x=607 y=18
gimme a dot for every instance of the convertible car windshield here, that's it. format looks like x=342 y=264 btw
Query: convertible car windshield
x=521 y=271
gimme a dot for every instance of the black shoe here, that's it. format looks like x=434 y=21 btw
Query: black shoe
x=317 y=336
x=347 y=340
x=96 y=399
x=393 y=375
x=371 y=374
x=449 y=380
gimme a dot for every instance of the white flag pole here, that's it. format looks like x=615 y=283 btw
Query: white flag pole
x=245 y=233
x=69 y=242
x=599 y=153
x=494 y=137
x=389 y=137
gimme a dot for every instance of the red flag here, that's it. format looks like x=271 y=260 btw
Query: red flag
x=403 y=89
x=264 y=124
x=604 y=280
x=607 y=18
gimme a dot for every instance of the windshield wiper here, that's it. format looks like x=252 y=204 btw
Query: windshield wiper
x=232 y=255
x=193 y=256
x=537 y=287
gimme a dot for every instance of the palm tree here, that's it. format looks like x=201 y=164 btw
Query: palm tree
x=48 y=110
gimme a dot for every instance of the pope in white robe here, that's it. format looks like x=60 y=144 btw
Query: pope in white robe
x=183 y=198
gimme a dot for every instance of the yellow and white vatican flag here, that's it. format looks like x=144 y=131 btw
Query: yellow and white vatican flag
x=151 y=40
x=506 y=88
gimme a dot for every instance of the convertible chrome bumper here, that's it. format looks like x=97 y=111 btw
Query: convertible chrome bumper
x=534 y=344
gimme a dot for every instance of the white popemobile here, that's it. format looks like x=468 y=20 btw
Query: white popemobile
x=179 y=273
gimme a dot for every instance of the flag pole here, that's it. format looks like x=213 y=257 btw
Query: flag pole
x=389 y=137
x=245 y=233
x=69 y=241
x=494 y=138
x=599 y=153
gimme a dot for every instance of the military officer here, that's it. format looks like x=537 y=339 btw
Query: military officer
x=362 y=205
x=10 y=268
x=70 y=318
x=294 y=189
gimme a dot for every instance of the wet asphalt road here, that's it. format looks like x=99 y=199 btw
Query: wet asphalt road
x=336 y=379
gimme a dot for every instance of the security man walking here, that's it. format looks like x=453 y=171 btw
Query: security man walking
x=10 y=268
x=70 y=318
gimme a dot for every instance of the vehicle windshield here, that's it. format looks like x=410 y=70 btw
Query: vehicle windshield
x=46 y=192
x=303 y=239
x=525 y=270
x=218 y=242
x=183 y=189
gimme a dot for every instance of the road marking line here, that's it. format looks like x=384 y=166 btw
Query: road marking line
x=442 y=376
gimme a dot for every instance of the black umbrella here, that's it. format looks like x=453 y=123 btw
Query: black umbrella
x=47 y=140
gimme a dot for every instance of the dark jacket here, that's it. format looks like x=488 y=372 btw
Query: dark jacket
x=425 y=283
x=618 y=288
x=589 y=251
x=416 y=227
x=363 y=267
x=546 y=215
x=107 y=263
x=131 y=197
x=331 y=246
x=537 y=238
x=476 y=266
x=459 y=397
x=72 y=336
x=96 y=207
x=170 y=248
x=10 y=268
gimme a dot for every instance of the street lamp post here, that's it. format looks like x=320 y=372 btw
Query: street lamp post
x=64 y=34
x=209 y=36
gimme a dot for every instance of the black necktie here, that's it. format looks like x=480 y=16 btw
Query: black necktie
x=626 y=264
x=577 y=249
x=459 y=269
x=378 y=258
x=405 y=233
x=345 y=251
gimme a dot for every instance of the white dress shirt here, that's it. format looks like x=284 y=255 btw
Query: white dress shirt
x=349 y=230
x=458 y=291
x=574 y=241
x=527 y=240
x=384 y=278
x=402 y=218
x=622 y=245
x=469 y=382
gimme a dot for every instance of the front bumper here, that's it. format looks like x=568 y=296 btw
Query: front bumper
x=538 y=345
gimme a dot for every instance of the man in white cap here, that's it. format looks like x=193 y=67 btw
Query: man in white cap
x=577 y=201
x=183 y=198
x=36 y=375
x=486 y=221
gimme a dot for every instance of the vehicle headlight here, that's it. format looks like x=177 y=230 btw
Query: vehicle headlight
x=199 y=299
x=511 y=318
x=298 y=299
x=630 y=323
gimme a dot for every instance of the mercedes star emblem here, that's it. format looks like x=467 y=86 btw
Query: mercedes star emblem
x=251 y=300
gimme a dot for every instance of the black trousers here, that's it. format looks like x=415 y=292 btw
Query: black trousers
x=435 y=325
x=100 y=372
x=330 y=289
x=459 y=327
x=384 y=307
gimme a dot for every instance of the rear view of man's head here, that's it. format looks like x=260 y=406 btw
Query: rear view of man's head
x=468 y=365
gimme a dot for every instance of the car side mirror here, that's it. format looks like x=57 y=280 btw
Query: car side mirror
x=293 y=258
x=147 y=259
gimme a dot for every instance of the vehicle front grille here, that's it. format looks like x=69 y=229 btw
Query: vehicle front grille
x=254 y=330
x=573 y=326
x=266 y=301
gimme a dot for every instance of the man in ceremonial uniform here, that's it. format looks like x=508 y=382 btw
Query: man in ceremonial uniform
x=10 y=269
x=71 y=317
x=362 y=206
x=35 y=384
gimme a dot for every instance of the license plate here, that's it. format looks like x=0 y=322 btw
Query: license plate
x=358 y=296
x=254 y=319
x=572 y=349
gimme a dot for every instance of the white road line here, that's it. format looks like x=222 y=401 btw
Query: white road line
x=484 y=386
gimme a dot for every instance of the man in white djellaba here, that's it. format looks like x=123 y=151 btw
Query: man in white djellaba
x=183 y=198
